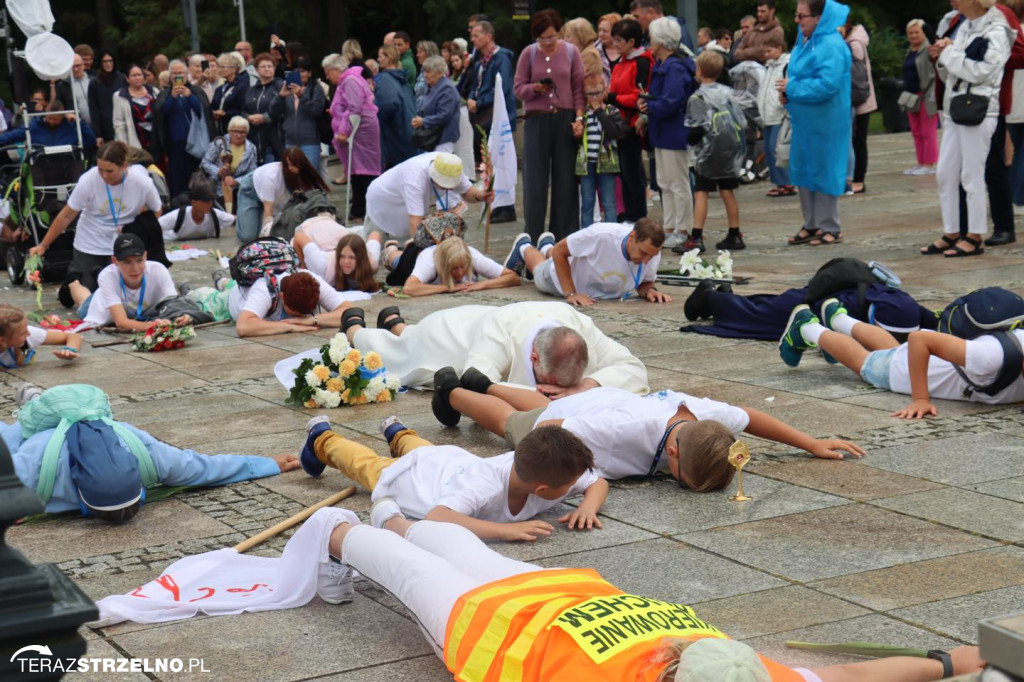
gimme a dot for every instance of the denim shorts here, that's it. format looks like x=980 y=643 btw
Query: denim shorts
x=875 y=370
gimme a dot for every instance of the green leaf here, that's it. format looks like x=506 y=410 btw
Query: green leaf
x=867 y=649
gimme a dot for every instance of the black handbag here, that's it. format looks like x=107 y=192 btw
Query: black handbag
x=426 y=138
x=968 y=109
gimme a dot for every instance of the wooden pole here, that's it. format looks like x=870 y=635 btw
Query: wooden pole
x=246 y=545
x=487 y=228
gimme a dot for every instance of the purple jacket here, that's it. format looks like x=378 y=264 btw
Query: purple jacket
x=354 y=96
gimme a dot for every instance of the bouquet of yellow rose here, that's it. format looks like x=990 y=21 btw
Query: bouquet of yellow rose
x=342 y=376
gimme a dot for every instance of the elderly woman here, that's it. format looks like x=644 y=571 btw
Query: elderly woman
x=817 y=96
x=425 y=49
x=353 y=97
x=605 y=46
x=229 y=158
x=918 y=100
x=229 y=97
x=549 y=81
x=582 y=35
x=438 y=107
x=671 y=83
x=395 y=108
x=263 y=128
x=966 y=140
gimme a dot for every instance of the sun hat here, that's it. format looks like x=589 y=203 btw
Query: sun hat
x=446 y=170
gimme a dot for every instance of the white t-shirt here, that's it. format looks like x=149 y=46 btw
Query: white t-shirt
x=407 y=190
x=257 y=299
x=110 y=292
x=190 y=229
x=984 y=360
x=426 y=272
x=97 y=228
x=268 y=182
x=36 y=337
x=623 y=430
x=475 y=486
x=599 y=268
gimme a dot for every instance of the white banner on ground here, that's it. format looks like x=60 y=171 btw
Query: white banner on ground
x=503 y=151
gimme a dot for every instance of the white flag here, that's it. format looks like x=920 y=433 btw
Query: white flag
x=503 y=151
x=224 y=582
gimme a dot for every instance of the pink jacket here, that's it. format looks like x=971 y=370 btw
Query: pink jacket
x=354 y=96
x=858 y=41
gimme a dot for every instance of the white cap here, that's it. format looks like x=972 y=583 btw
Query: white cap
x=720 y=660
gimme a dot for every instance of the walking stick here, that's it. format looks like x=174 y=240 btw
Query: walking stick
x=246 y=545
x=355 y=120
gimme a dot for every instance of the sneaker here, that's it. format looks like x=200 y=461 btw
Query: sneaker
x=673 y=239
x=185 y=287
x=220 y=278
x=732 y=242
x=26 y=392
x=913 y=171
x=64 y=296
x=503 y=214
x=514 y=261
x=475 y=380
x=689 y=245
x=307 y=458
x=926 y=170
x=382 y=510
x=334 y=582
x=831 y=307
x=445 y=381
x=389 y=427
x=544 y=239
x=792 y=344
x=695 y=307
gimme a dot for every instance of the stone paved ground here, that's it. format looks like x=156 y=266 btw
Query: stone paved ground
x=912 y=545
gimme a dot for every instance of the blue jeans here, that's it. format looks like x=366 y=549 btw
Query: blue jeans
x=590 y=185
x=779 y=176
x=312 y=152
x=250 y=210
x=875 y=370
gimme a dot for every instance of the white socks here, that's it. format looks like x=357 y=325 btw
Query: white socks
x=547 y=247
x=843 y=324
x=811 y=332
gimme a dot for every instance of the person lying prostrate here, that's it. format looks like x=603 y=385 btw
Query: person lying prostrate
x=19 y=339
x=125 y=289
x=257 y=311
x=349 y=266
x=454 y=266
x=198 y=219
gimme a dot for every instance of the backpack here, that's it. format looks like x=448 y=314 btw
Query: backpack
x=839 y=274
x=59 y=408
x=437 y=227
x=263 y=257
x=180 y=220
x=301 y=207
x=1013 y=360
x=860 y=82
x=983 y=311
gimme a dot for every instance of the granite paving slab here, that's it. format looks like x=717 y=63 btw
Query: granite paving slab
x=958 y=617
x=850 y=478
x=1010 y=489
x=984 y=514
x=956 y=461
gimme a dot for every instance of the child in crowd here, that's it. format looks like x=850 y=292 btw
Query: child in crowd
x=716 y=127
x=633 y=435
x=493 y=497
x=597 y=160
x=930 y=363
x=349 y=266
x=199 y=220
x=605 y=261
x=772 y=111
x=125 y=289
x=19 y=339
x=453 y=266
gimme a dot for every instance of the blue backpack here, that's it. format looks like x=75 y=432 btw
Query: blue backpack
x=991 y=311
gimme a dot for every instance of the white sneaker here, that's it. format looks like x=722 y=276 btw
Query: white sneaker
x=26 y=392
x=673 y=238
x=383 y=510
x=334 y=582
x=912 y=171
x=925 y=170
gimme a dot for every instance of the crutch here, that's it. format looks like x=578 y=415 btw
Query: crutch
x=355 y=120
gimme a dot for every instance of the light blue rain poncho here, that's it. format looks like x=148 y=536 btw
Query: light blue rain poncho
x=819 y=105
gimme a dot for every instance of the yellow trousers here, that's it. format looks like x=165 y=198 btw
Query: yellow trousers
x=360 y=463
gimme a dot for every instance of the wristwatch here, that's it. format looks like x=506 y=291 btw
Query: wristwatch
x=945 y=658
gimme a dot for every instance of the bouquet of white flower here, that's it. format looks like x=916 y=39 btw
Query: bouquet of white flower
x=692 y=265
x=343 y=376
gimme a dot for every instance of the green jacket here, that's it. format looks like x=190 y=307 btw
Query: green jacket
x=410 y=67
x=613 y=127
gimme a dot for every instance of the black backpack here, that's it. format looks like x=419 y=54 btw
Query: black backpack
x=180 y=220
x=839 y=274
x=301 y=207
x=992 y=311
x=860 y=82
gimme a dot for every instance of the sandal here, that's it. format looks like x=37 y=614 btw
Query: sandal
x=775 y=192
x=827 y=239
x=353 y=317
x=804 y=236
x=932 y=250
x=382 y=318
x=957 y=252
x=343 y=181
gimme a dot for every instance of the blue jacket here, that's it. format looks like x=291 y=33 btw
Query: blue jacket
x=672 y=83
x=230 y=97
x=483 y=92
x=45 y=136
x=439 y=106
x=174 y=466
x=177 y=116
x=299 y=125
x=395 y=111
x=819 y=105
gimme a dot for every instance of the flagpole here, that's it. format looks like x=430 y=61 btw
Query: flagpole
x=293 y=520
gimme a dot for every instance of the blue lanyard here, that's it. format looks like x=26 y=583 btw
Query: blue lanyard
x=110 y=202
x=661 y=446
x=442 y=205
x=29 y=353
x=142 y=296
x=639 y=271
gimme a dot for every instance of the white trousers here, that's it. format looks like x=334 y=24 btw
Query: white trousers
x=673 y=170
x=962 y=158
x=447 y=147
x=429 y=569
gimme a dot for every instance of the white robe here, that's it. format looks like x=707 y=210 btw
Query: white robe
x=498 y=341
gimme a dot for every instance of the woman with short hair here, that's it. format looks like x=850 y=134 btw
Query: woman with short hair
x=229 y=158
x=229 y=97
x=263 y=130
x=438 y=107
x=353 y=96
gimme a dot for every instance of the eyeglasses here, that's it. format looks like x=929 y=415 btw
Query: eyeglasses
x=547 y=39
